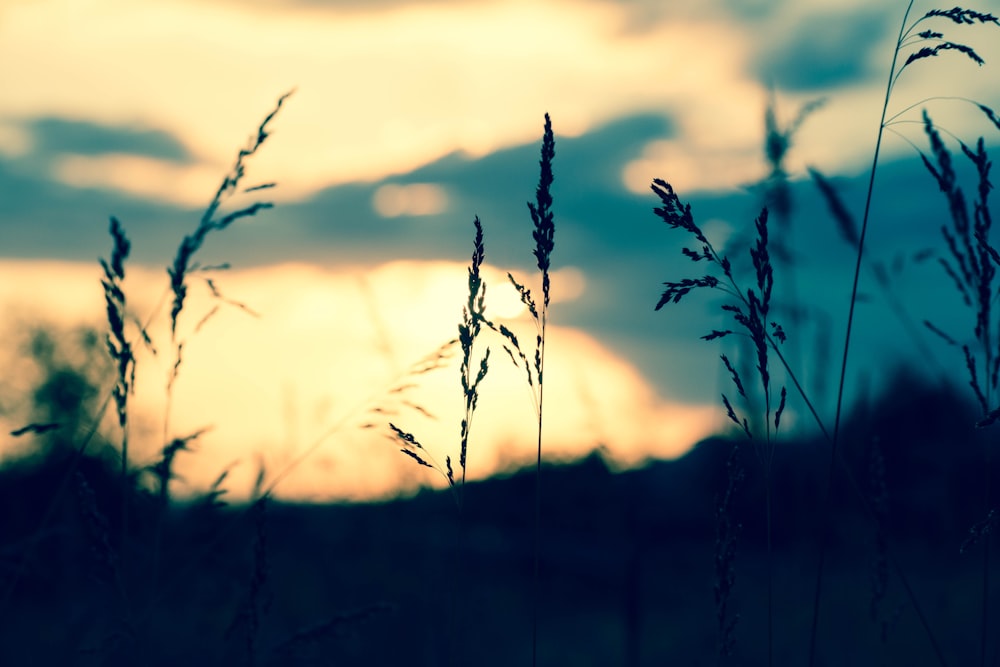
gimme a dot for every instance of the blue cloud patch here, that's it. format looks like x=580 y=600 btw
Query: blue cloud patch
x=54 y=136
x=822 y=51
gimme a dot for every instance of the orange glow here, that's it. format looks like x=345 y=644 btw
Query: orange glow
x=503 y=302
x=312 y=377
x=392 y=200
x=690 y=168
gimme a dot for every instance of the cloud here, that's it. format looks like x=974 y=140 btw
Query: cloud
x=378 y=92
x=151 y=179
x=44 y=218
x=384 y=90
x=605 y=230
x=823 y=51
x=56 y=136
x=755 y=9
x=149 y=163
x=350 y=6
x=66 y=216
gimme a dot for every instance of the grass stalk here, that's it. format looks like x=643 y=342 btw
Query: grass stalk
x=905 y=38
x=750 y=313
x=544 y=236
x=677 y=215
x=469 y=329
x=541 y=215
x=211 y=221
x=972 y=267
x=120 y=350
x=827 y=503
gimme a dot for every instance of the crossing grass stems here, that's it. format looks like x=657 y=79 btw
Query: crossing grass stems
x=970 y=267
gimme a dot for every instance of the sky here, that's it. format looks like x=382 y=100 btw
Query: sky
x=407 y=119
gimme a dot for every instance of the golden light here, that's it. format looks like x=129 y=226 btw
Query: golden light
x=308 y=388
x=415 y=199
x=503 y=302
x=689 y=166
x=568 y=284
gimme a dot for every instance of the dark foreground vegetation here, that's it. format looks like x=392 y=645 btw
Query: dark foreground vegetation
x=627 y=562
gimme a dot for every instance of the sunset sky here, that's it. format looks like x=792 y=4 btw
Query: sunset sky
x=409 y=118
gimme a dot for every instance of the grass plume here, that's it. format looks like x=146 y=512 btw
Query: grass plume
x=120 y=349
x=972 y=269
x=908 y=37
x=472 y=374
x=544 y=236
x=750 y=313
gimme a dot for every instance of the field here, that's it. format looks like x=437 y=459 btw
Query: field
x=862 y=536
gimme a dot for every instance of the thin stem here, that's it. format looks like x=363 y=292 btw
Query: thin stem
x=984 y=633
x=834 y=454
x=538 y=499
x=769 y=457
x=824 y=526
x=983 y=640
x=798 y=387
x=770 y=572
x=544 y=232
x=896 y=115
x=919 y=611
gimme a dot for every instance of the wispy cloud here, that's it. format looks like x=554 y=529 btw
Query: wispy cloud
x=380 y=91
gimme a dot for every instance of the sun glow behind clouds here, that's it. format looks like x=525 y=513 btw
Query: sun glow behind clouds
x=690 y=169
x=393 y=200
x=313 y=377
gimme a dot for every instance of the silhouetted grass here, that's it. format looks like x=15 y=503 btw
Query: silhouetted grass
x=972 y=271
x=749 y=310
x=972 y=268
x=472 y=375
x=116 y=558
x=469 y=329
